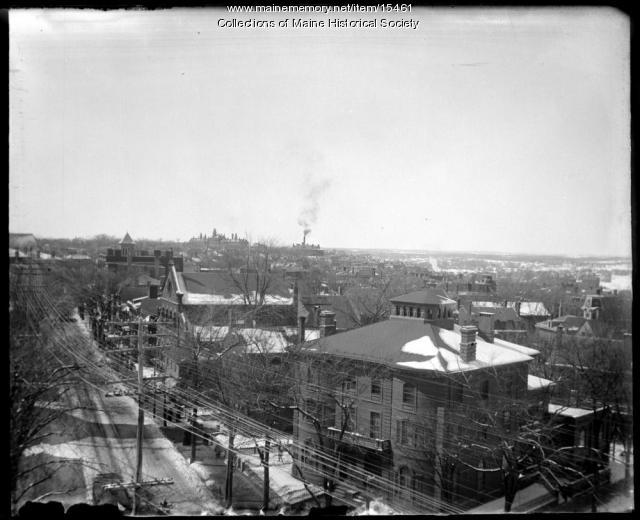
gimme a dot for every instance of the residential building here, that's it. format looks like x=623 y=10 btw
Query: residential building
x=530 y=312
x=493 y=318
x=391 y=397
x=224 y=297
x=23 y=245
x=550 y=329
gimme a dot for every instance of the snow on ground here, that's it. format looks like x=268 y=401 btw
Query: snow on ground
x=376 y=507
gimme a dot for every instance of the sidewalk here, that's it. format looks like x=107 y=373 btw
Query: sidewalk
x=248 y=477
x=527 y=500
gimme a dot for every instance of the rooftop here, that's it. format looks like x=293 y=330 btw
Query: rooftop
x=127 y=240
x=222 y=288
x=420 y=346
x=435 y=296
x=568 y=411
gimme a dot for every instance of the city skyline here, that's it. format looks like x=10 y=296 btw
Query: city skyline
x=503 y=130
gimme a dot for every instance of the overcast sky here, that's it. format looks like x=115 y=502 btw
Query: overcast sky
x=480 y=130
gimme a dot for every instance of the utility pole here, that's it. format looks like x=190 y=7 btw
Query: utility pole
x=265 y=465
x=439 y=445
x=140 y=417
x=228 y=491
x=140 y=348
x=196 y=384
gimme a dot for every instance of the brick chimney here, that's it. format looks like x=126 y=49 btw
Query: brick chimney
x=327 y=323
x=559 y=334
x=301 y=329
x=156 y=263
x=468 y=343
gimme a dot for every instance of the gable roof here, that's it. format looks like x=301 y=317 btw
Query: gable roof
x=18 y=240
x=418 y=345
x=127 y=240
x=342 y=305
x=499 y=312
x=428 y=296
x=531 y=308
x=219 y=288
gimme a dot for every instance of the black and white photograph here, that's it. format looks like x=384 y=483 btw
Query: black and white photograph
x=311 y=260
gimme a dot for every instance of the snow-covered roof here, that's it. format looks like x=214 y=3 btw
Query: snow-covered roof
x=486 y=304
x=443 y=359
x=569 y=411
x=309 y=334
x=418 y=345
x=191 y=298
x=531 y=308
x=536 y=383
x=256 y=339
x=263 y=341
x=211 y=332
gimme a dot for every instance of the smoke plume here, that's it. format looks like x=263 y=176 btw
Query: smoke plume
x=309 y=214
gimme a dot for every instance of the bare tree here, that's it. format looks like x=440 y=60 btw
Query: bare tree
x=40 y=379
x=496 y=429
x=325 y=397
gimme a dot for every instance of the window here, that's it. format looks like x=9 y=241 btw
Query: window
x=376 y=389
x=397 y=310
x=409 y=394
x=404 y=480
x=508 y=387
x=349 y=386
x=455 y=392
x=484 y=391
x=402 y=434
x=375 y=425
x=419 y=435
x=506 y=420
x=581 y=437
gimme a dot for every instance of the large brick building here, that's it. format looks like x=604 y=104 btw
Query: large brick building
x=127 y=259
x=392 y=397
